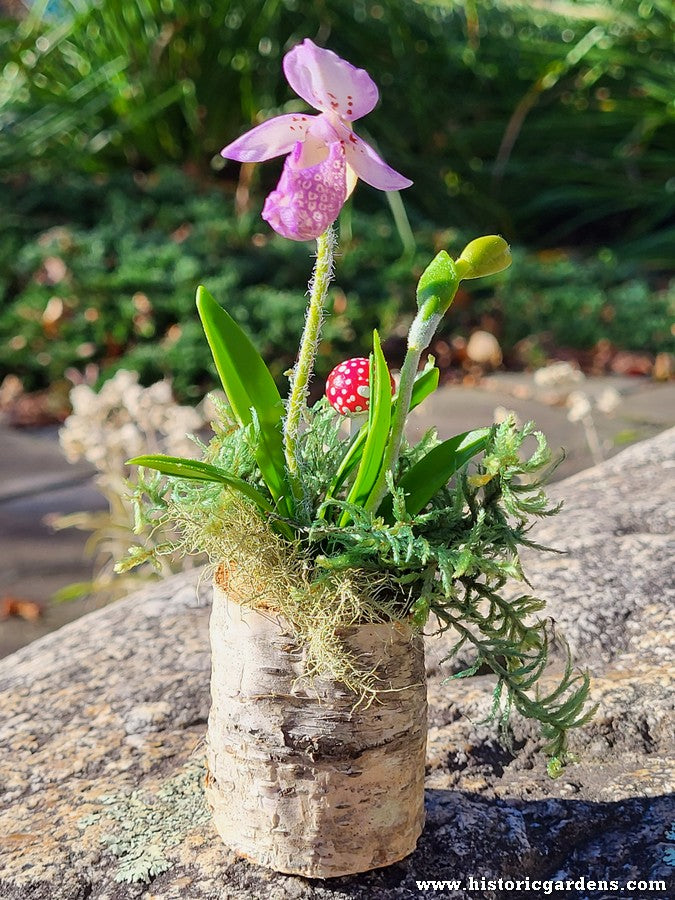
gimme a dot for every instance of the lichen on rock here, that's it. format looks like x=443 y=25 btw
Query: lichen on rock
x=144 y=827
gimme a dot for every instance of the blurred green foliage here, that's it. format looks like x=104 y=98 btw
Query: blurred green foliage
x=574 y=301
x=547 y=121
x=104 y=270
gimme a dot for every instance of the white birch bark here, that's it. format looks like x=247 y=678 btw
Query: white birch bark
x=298 y=780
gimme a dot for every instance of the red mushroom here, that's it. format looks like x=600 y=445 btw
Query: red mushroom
x=348 y=387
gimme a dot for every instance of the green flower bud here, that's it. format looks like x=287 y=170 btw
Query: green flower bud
x=484 y=256
x=438 y=285
x=435 y=292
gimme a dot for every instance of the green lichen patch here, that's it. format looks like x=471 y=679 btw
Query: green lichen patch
x=669 y=854
x=140 y=828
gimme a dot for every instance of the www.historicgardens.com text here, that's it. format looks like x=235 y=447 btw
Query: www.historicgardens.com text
x=547 y=887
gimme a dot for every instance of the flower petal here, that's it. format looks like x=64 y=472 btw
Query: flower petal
x=307 y=200
x=273 y=138
x=328 y=82
x=370 y=167
x=320 y=135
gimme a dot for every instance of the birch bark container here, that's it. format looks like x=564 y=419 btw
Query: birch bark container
x=298 y=780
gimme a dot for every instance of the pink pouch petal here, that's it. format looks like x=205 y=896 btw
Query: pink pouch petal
x=328 y=82
x=273 y=138
x=306 y=201
x=370 y=167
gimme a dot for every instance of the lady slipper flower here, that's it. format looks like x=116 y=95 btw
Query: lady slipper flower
x=325 y=157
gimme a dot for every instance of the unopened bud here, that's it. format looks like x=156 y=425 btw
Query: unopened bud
x=438 y=285
x=484 y=256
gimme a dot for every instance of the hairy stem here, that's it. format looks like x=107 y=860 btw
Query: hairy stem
x=302 y=372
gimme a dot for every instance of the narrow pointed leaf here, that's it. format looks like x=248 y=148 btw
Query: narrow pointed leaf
x=245 y=378
x=379 y=421
x=200 y=471
x=249 y=386
x=425 y=384
x=434 y=470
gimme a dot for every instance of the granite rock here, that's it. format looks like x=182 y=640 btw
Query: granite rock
x=102 y=725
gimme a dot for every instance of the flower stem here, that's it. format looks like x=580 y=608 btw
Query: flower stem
x=421 y=332
x=435 y=292
x=401 y=410
x=302 y=372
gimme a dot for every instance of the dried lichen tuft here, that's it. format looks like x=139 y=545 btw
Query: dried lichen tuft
x=145 y=827
x=263 y=571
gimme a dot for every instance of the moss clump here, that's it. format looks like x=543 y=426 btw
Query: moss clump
x=347 y=565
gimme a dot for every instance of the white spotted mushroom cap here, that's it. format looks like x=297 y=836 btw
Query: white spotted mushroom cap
x=348 y=387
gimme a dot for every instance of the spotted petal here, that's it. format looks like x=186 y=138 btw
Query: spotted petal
x=328 y=82
x=370 y=167
x=273 y=138
x=308 y=200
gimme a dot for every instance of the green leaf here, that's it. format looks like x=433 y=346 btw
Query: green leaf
x=434 y=470
x=425 y=384
x=243 y=373
x=74 y=591
x=249 y=386
x=379 y=421
x=200 y=471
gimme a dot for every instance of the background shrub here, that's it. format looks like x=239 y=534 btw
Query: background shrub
x=105 y=271
x=550 y=123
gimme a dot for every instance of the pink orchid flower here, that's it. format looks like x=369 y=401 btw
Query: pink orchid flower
x=325 y=157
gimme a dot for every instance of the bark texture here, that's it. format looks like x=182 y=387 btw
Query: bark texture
x=299 y=780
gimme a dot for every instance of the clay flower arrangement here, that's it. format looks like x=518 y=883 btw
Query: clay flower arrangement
x=334 y=547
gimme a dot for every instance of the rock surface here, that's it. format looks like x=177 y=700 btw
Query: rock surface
x=101 y=728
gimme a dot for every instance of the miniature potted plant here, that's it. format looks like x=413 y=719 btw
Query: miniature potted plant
x=333 y=549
